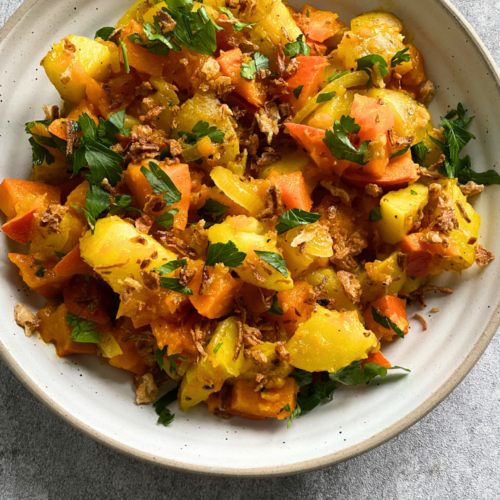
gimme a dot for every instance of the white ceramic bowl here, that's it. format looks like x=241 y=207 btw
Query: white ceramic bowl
x=99 y=400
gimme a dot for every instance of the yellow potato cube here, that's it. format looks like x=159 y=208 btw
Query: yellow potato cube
x=93 y=56
x=116 y=250
x=248 y=234
x=329 y=341
x=400 y=210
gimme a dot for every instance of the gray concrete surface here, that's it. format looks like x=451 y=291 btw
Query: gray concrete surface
x=450 y=454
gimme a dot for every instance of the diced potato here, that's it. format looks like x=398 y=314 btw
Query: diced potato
x=93 y=56
x=411 y=285
x=325 y=116
x=273 y=18
x=206 y=107
x=400 y=210
x=109 y=347
x=245 y=194
x=249 y=234
x=465 y=237
x=333 y=289
x=373 y=33
x=374 y=19
x=276 y=368
x=64 y=68
x=317 y=243
x=410 y=117
x=138 y=9
x=44 y=242
x=148 y=17
x=290 y=161
x=115 y=252
x=381 y=278
x=209 y=375
x=222 y=347
x=192 y=390
x=329 y=341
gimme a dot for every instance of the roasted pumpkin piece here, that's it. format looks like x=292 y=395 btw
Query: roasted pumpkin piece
x=88 y=299
x=400 y=210
x=142 y=191
x=72 y=263
x=39 y=276
x=55 y=329
x=249 y=235
x=213 y=289
x=176 y=335
x=14 y=191
x=117 y=249
x=130 y=358
x=269 y=403
x=329 y=341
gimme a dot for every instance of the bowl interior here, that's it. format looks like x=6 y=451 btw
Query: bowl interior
x=100 y=399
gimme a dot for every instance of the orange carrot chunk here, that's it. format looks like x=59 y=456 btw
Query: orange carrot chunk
x=294 y=193
x=391 y=307
x=72 y=264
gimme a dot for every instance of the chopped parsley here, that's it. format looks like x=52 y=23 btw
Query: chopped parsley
x=41 y=272
x=302 y=377
x=413 y=192
x=237 y=26
x=122 y=202
x=175 y=285
x=213 y=210
x=337 y=75
x=166 y=220
x=165 y=417
x=294 y=218
x=97 y=201
x=375 y=214
x=160 y=355
x=275 y=260
x=125 y=56
x=82 y=330
x=60 y=254
x=285 y=408
x=357 y=374
x=200 y=130
x=297 y=48
x=224 y=253
x=401 y=152
x=249 y=70
x=419 y=153
x=275 y=307
x=296 y=93
x=340 y=145
x=161 y=183
x=326 y=96
x=456 y=137
x=171 y=266
x=387 y=323
x=104 y=33
x=403 y=56
x=217 y=347
x=371 y=63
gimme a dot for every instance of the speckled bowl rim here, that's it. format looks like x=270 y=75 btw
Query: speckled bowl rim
x=309 y=465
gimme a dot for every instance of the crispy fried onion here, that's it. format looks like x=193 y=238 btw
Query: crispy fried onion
x=26 y=319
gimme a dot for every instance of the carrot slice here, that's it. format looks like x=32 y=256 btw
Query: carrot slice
x=311 y=140
x=377 y=358
x=309 y=76
x=400 y=172
x=391 y=307
x=294 y=193
x=72 y=264
x=322 y=24
x=230 y=65
x=141 y=188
